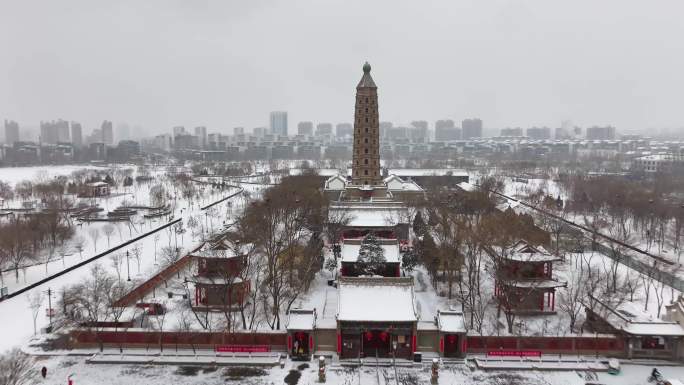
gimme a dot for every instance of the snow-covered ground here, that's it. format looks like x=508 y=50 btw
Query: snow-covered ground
x=83 y=373
x=14 y=175
x=16 y=317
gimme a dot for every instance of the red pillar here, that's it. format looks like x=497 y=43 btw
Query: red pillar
x=553 y=300
x=413 y=343
x=541 y=303
x=339 y=343
x=441 y=344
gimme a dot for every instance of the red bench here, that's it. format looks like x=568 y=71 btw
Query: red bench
x=243 y=348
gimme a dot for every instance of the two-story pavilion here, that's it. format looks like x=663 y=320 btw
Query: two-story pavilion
x=218 y=280
x=524 y=279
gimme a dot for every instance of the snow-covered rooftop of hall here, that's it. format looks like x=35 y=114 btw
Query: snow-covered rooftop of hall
x=450 y=321
x=301 y=319
x=375 y=215
x=632 y=319
x=412 y=172
x=376 y=299
x=465 y=186
x=395 y=183
x=350 y=251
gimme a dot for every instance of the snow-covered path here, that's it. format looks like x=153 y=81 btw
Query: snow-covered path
x=61 y=367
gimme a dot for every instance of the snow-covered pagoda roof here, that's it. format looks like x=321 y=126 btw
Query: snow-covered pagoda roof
x=350 y=251
x=301 y=319
x=376 y=300
x=450 y=321
x=524 y=252
x=632 y=319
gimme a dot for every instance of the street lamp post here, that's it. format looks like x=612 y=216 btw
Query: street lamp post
x=128 y=267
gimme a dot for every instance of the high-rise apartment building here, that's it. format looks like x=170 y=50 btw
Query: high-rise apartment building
x=76 y=134
x=517 y=131
x=601 y=133
x=123 y=132
x=11 y=132
x=323 y=129
x=418 y=132
x=305 y=128
x=471 y=128
x=344 y=129
x=107 y=132
x=446 y=130
x=201 y=134
x=385 y=128
x=539 y=133
x=238 y=131
x=278 y=123
x=54 y=132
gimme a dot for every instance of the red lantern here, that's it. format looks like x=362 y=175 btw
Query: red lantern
x=383 y=336
x=369 y=336
x=452 y=339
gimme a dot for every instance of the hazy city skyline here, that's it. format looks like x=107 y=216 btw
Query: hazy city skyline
x=511 y=63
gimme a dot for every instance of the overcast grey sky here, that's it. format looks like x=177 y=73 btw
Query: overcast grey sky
x=227 y=63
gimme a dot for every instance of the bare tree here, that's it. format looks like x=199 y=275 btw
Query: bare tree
x=571 y=296
x=108 y=230
x=90 y=302
x=137 y=254
x=117 y=264
x=14 y=245
x=16 y=368
x=94 y=236
x=79 y=245
x=35 y=300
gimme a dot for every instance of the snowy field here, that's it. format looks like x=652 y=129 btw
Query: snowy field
x=13 y=175
x=16 y=317
x=306 y=373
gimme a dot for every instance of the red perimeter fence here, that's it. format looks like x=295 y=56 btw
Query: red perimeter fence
x=277 y=340
x=545 y=344
x=151 y=338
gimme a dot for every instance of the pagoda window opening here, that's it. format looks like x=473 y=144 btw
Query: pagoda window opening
x=365 y=172
x=365 y=161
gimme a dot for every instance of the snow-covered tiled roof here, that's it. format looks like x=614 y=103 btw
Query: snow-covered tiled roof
x=632 y=319
x=301 y=319
x=376 y=300
x=350 y=252
x=374 y=216
x=413 y=172
x=450 y=322
x=523 y=251
x=465 y=186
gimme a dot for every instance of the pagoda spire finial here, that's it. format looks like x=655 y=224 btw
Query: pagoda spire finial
x=366 y=67
x=366 y=79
